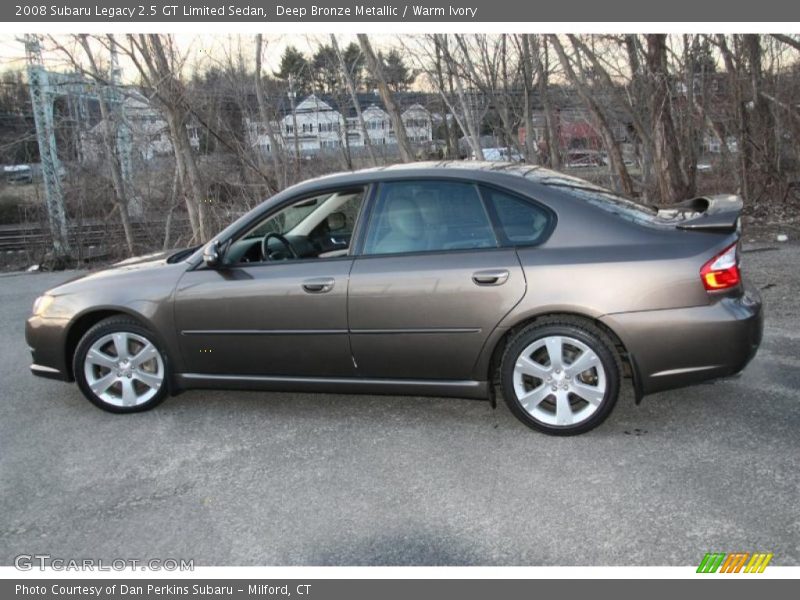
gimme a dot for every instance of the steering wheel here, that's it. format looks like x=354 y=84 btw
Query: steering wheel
x=265 y=253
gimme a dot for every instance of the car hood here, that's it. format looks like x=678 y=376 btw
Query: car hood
x=131 y=268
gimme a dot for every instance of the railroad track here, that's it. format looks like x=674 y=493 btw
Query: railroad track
x=90 y=235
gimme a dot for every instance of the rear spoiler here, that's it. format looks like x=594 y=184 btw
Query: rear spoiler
x=708 y=213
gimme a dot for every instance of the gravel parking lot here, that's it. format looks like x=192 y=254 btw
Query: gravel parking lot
x=277 y=478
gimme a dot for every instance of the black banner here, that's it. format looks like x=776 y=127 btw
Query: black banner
x=138 y=11
x=398 y=589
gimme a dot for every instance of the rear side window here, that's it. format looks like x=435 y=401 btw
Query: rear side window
x=521 y=222
x=420 y=216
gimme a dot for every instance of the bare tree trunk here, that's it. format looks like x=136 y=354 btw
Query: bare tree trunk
x=531 y=151
x=552 y=135
x=601 y=122
x=172 y=206
x=266 y=117
x=689 y=149
x=446 y=90
x=376 y=70
x=155 y=62
x=351 y=89
x=672 y=185
x=639 y=91
x=451 y=141
x=762 y=137
x=742 y=129
x=192 y=208
x=468 y=122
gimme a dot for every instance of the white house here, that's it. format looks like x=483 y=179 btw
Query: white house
x=418 y=123
x=258 y=135
x=713 y=145
x=149 y=130
x=315 y=126
x=378 y=126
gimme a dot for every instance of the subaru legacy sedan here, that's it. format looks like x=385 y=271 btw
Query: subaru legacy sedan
x=432 y=279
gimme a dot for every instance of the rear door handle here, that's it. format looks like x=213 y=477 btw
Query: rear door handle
x=319 y=285
x=490 y=277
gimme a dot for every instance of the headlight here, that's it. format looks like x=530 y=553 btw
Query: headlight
x=42 y=303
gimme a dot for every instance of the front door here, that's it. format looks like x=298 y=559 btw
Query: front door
x=278 y=304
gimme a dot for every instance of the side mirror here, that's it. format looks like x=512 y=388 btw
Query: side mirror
x=336 y=221
x=211 y=255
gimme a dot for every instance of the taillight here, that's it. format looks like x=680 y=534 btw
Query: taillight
x=722 y=271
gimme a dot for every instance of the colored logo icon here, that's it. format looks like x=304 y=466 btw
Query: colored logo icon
x=737 y=562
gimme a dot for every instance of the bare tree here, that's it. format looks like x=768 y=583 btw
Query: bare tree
x=347 y=77
x=540 y=56
x=157 y=61
x=376 y=70
x=528 y=77
x=471 y=113
x=485 y=63
x=601 y=121
x=266 y=116
x=672 y=183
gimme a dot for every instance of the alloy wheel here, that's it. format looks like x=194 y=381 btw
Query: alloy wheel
x=124 y=369
x=559 y=380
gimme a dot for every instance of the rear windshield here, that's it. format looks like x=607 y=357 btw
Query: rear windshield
x=602 y=198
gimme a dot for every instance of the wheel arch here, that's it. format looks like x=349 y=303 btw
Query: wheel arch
x=628 y=362
x=88 y=319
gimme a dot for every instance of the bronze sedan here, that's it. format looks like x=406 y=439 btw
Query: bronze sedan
x=441 y=279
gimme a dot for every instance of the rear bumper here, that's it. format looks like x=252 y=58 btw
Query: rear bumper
x=677 y=347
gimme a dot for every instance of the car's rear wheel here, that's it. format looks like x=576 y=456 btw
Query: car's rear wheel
x=119 y=367
x=560 y=376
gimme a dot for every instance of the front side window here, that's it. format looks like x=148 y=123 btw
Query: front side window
x=420 y=216
x=317 y=227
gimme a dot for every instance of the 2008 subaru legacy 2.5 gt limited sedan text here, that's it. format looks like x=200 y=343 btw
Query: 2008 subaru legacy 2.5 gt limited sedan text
x=439 y=279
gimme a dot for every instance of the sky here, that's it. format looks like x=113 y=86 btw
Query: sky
x=201 y=50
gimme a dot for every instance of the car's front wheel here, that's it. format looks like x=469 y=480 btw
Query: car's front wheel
x=560 y=376
x=119 y=367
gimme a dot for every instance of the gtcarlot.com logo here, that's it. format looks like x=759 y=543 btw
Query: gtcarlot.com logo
x=41 y=562
x=737 y=562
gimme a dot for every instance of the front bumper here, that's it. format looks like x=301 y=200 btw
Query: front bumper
x=45 y=337
x=677 y=347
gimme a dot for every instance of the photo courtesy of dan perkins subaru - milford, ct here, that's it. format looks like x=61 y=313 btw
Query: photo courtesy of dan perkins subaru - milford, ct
x=457 y=279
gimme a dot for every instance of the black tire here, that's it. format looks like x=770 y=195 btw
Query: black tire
x=580 y=330
x=117 y=324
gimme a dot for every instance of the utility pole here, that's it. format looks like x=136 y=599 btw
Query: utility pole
x=42 y=102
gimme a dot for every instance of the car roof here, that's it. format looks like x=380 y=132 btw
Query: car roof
x=485 y=171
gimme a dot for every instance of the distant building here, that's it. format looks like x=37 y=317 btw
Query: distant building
x=418 y=122
x=149 y=130
x=317 y=126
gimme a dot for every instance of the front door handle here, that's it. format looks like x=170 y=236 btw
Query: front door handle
x=320 y=285
x=490 y=277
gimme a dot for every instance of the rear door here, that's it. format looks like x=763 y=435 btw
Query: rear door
x=430 y=284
